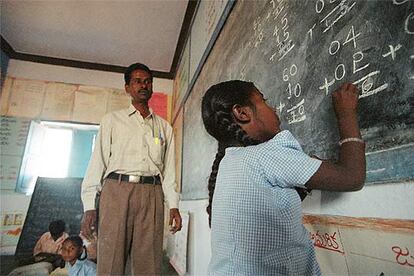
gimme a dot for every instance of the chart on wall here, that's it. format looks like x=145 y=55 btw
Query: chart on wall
x=297 y=53
x=68 y=102
x=11 y=227
x=13 y=136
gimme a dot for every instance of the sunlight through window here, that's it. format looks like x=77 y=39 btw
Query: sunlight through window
x=55 y=156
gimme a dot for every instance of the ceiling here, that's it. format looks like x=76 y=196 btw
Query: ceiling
x=104 y=35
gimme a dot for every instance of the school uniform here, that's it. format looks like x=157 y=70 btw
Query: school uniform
x=256 y=226
x=81 y=267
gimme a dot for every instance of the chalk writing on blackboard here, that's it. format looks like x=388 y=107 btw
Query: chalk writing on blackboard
x=297 y=53
x=410 y=19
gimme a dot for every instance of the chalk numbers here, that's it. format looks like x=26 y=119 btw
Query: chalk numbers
x=319 y=5
x=283 y=42
x=409 y=24
x=334 y=15
x=296 y=91
x=366 y=83
x=296 y=113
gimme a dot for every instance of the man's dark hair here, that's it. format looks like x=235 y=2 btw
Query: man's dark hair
x=132 y=68
x=57 y=227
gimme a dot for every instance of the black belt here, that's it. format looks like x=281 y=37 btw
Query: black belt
x=136 y=179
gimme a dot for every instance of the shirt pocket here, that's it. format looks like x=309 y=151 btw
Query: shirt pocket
x=155 y=149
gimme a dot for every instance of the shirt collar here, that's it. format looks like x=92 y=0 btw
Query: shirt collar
x=132 y=110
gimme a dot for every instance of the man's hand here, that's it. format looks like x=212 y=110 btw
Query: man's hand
x=91 y=245
x=88 y=224
x=175 y=220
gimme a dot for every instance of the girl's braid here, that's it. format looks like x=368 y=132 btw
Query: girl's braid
x=226 y=122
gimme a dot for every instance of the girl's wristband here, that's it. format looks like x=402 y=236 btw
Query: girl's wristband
x=351 y=139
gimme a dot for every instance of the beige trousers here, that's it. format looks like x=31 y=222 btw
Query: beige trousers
x=131 y=221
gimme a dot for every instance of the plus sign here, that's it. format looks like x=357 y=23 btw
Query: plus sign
x=392 y=51
x=280 y=107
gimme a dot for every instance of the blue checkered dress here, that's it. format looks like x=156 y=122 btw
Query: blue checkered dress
x=256 y=224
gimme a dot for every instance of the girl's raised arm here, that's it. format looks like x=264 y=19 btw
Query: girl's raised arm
x=348 y=174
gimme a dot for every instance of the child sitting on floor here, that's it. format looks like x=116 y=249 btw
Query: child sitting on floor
x=75 y=256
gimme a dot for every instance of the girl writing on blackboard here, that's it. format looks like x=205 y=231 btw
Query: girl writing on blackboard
x=255 y=213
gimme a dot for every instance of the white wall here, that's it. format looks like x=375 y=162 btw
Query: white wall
x=198 y=247
x=388 y=201
x=391 y=201
x=11 y=201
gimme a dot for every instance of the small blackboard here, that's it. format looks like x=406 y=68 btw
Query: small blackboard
x=297 y=53
x=52 y=199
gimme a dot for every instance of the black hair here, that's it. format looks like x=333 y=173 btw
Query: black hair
x=56 y=228
x=132 y=68
x=78 y=243
x=219 y=121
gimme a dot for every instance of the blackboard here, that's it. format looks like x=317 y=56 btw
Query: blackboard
x=297 y=53
x=52 y=199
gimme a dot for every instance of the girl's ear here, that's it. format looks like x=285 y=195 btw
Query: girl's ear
x=243 y=114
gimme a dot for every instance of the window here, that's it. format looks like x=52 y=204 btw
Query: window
x=55 y=150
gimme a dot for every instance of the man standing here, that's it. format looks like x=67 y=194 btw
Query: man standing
x=133 y=168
